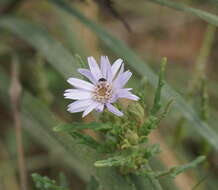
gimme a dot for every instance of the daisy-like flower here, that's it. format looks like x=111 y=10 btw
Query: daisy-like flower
x=106 y=87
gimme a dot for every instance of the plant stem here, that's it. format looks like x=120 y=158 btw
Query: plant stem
x=15 y=92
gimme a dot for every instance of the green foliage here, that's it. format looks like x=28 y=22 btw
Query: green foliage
x=136 y=111
x=174 y=171
x=152 y=121
x=120 y=48
x=124 y=141
x=114 y=161
x=58 y=56
x=38 y=124
x=157 y=105
x=84 y=139
x=44 y=183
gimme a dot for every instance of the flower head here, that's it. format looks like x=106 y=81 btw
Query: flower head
x=106 y=87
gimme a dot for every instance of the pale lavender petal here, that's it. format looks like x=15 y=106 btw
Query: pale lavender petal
x=94 y=68
x=79 y=105
x=116 y=66
x=100 y=107
x=88 y=75
x=77 y=94
x=76 y=110
x=116 y=79
x=115 y=95
x=128 y=89
x=124 y=93
x=114 y=98
x=114 y=110
x=121 y=70
x=106 y=68
x=78 y=83
x=123 y=79
x=124 y=90
x=109 y=71
x=92 y=106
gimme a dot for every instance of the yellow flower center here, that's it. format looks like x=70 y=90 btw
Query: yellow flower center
x=102 y=92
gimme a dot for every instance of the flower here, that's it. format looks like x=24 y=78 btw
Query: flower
x=106 y=87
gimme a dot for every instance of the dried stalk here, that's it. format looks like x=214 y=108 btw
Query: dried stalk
x=15 y=92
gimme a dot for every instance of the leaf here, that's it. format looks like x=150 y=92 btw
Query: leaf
x=141 y=68
x=208 y=17
x=137 y=111
x=174 y=171
x=113 y=161
x=157 y=98
x=85 y=139
x=44 y=183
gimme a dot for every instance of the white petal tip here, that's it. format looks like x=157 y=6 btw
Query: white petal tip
x=69 y=110
x=136 y=98
x=114 y=110
x=84 y=114
x=79 y=70
x=120 y=115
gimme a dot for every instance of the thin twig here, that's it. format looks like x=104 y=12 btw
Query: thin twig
x=109 y=5
x=15 y=93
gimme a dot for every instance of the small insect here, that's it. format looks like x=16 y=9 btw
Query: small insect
x=102 y=80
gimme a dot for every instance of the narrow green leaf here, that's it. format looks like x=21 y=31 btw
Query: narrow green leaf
x=157 y=98
x=85 y=139
x=191 y=165
x=173 y=172
x=113 y=161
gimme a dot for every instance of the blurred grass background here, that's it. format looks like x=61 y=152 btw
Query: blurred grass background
x=42 y=39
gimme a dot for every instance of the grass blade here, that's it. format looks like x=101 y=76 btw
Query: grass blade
x=60 y=58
